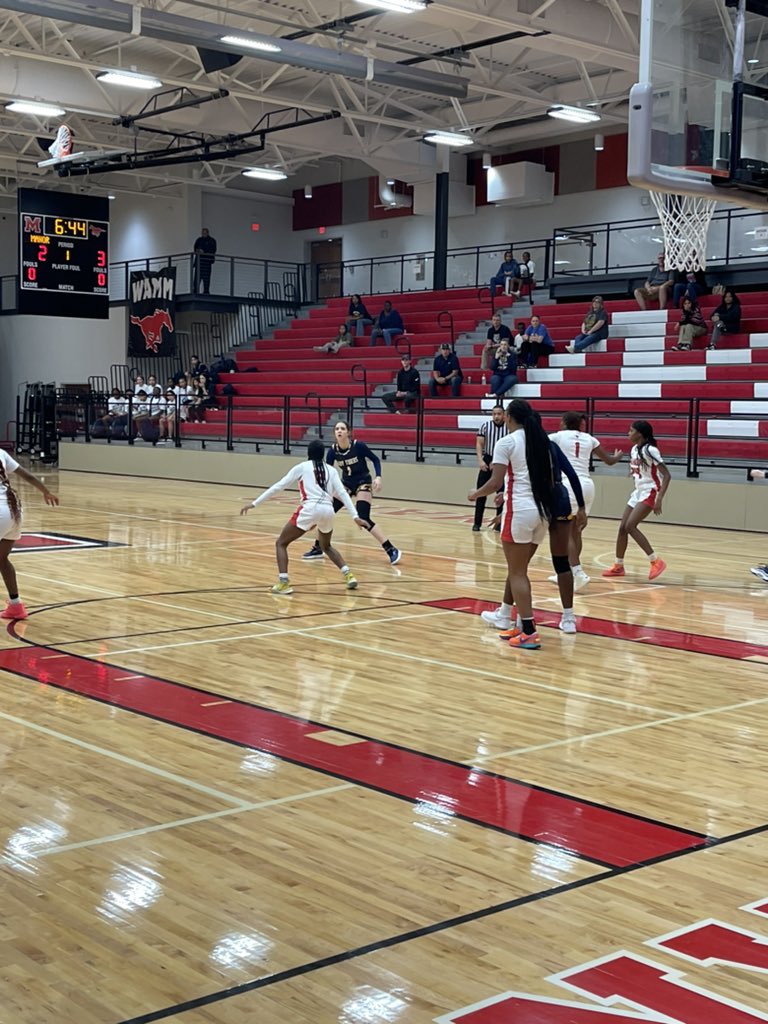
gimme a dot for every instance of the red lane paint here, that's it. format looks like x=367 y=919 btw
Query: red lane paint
x=611 y=837
x=691 y=643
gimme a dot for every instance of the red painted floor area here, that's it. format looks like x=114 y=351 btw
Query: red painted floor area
x=607 y=836
x=691 y=643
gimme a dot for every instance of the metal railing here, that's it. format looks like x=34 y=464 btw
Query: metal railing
x=290 y=421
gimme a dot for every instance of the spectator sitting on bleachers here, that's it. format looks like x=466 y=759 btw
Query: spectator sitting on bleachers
x=446 y=370
x=537 y=342
x=167 y=419
x=507 y=276
x=358 y=315
x=183 y=391
x=151 y=385
x=593 y=329
x=141 y=413
x=693 y=284
x=196 y=368
x=504 y=370
x=201 y=399
x=342 y=340
x=407 y=386
x=496 y=332
x=519 y=338
x=117 y=406
x=139 y=385
x=658 y=285
x=389 y=324
x=726 y=319
x=691 y=325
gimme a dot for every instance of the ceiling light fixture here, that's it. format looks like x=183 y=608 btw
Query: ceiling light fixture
x=400 y=6
x=265 y=173
x=31 y=107
x=487 y=162
x=441 y=138
x=129 y=79
x=577 y=115
x=251 y=44
x=599 y=143
x=307 y=191
x=753 y=60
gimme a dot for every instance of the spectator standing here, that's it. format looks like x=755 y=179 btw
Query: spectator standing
x=342 y=340
x=657 y=286
x=205 y=257
x=504 y=370
x=487 y=435
x=726 y=319
x=407 y=386
x=593 y=329
x=358 y=315
x=496 y=332
x=446 y=370
x=507 y=275
x=691 y=325
x=536 y=343
x=389 y=325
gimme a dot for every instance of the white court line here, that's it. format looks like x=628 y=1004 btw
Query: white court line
x=684 y=717
x=132 y=762
x=276 y=631
x=487 y=673
x=180 y=822
x=585 y=594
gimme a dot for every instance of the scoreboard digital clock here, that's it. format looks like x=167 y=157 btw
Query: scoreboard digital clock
x=63 y=254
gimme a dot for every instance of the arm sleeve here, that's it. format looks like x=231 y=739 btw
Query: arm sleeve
x=570 y=472
x=366 y=452
x=290 y=478
x=330 y=456
x=337 y=489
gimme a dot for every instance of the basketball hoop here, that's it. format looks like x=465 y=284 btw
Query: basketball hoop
x=684 y=223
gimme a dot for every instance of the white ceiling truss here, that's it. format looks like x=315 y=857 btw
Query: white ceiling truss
x=485 y=66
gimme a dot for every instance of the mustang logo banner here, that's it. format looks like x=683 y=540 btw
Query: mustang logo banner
x=152 y=313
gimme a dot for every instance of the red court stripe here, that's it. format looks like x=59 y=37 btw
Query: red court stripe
x=602 y=834
x=691 y=643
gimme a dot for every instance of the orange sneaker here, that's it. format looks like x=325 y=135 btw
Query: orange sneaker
x=615 y=570
x=526 y=641
x=658 y=565
x=509 y=634
x=14 y=611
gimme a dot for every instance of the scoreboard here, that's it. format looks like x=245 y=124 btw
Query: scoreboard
x=63 y=254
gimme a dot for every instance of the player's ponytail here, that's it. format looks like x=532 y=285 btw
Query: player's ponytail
x=644 y=428
x=538 y=454
x=316 y=453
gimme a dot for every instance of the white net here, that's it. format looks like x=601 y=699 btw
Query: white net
x=684 y=223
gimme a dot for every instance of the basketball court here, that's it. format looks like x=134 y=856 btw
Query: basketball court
x=362 y=806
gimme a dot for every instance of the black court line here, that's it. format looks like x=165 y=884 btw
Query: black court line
x=426 y=930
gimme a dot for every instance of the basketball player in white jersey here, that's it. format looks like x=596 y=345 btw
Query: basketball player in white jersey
x=319 y=484
x=578 y=447
x=651 y=477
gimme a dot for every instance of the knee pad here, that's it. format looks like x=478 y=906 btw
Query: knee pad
x=561 y=564
x=364 y=511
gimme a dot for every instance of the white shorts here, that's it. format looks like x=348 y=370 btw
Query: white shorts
x=524 y=527
x=308 y=516
x=643 y=495
x=588 y=489
x=9 y=528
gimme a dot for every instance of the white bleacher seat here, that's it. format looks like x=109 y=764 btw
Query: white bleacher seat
x=663 y=374
x=733 y=428
x=545 y=376
x=761 y=390
x=626 y=330
x=644 y=344
x=641 y=316
x=749 y=408
x=566 y=361
x=639 y=390
x=758 y=340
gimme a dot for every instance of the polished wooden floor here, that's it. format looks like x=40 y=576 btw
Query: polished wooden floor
x=223 y=807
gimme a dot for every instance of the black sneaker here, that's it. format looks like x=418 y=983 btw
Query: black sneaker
x=761 y=571
x=476 y=529
x=314 y=552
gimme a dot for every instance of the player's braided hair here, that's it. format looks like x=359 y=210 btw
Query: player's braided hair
x=13 y=499
x=316 y=453
x=644 y=428
x=538 y=454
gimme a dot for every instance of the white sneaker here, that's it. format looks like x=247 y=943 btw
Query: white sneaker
x=567 y=625
x=496 y=619
x=570 y=348
x=552 y=579
x=580 y=580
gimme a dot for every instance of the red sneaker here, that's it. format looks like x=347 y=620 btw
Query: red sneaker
x=658 y=565
x=14 y=611
x=615 y=570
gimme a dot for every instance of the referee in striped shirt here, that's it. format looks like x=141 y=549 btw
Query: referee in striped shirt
x=487 y=435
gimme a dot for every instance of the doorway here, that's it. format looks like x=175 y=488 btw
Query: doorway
x=325 y=260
